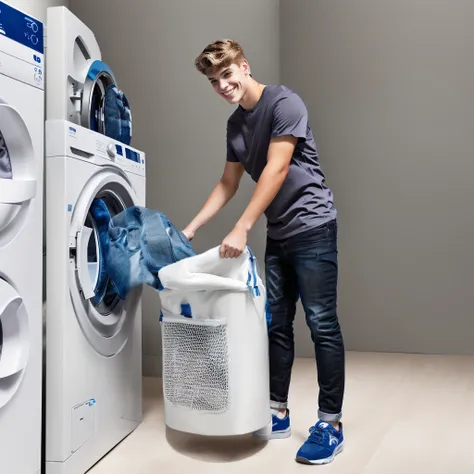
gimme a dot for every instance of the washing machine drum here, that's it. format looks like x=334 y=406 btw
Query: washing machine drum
x=106 y=320
x=105 y=109
x=5 y=161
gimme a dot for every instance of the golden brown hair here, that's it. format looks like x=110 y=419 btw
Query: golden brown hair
x=219 y=54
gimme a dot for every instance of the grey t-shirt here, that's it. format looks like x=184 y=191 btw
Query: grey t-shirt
x=304 y=201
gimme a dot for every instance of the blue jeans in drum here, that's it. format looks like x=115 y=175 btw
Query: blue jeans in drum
x=141 y=242
x=306 y=266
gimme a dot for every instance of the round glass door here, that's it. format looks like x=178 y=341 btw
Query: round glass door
x=17 y=172
x=105 y=206
x=14 y=341
x=105 y=319
x=99 y=78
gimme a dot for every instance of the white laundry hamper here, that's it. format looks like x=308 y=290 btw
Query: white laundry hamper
x=215 y=345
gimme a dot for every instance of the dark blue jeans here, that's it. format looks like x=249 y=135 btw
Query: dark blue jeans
x=306 y=266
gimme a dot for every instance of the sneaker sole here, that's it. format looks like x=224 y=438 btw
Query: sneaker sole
x=281 y=434
x=337 y=451
x=274 y=435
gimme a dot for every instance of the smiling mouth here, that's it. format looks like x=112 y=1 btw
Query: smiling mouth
x=229 y=93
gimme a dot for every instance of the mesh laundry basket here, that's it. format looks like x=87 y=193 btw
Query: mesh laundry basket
x=215 y=345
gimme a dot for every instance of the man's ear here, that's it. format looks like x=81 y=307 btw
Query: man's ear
x=245 y=67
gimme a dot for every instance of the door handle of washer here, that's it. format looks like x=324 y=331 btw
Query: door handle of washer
x=15 y=331
x=14 y=191
x=82 y=264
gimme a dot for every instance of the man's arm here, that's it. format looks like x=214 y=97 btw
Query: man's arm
x=223 y=192
x=279 y=157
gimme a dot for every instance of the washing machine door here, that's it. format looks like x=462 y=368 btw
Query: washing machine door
x=18 y=172
x=105 y=319
x=14 y=341
x=99 y=78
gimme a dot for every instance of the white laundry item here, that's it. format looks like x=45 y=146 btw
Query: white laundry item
x=215 y=345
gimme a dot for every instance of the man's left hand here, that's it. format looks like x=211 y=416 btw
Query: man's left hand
x=234 y=244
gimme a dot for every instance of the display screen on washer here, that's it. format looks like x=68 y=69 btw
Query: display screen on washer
x=21 y=28
x=129 y=154
x=132 y=155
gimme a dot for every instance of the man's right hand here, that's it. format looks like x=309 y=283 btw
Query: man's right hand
x=188 y=233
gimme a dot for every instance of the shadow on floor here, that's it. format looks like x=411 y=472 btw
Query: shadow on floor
x=212 y=448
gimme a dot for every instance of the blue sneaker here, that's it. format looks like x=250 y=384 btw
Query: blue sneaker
x=280 y=428
x=323 y=444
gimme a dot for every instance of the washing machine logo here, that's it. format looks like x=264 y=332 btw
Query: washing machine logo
x=72 y=130
x=37 y=59
x=91 y=402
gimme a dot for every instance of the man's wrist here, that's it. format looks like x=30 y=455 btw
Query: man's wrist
x=191 y=228
x=244 y=226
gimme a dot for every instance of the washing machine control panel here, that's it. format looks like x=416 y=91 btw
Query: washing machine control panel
x=68 y=139
x=122 y=155
x=21 y=46
x=21 y=28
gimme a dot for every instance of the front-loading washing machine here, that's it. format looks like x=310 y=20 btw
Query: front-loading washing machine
x=77 y=76
x=21 y=243
x=94 y=343
x=93 y=338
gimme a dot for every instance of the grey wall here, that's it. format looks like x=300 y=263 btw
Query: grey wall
x=36 y=8
x=386 y=84
x=389 y=86
x=178 y=120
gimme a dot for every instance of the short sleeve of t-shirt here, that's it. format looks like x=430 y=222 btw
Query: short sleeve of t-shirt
x=230 y=151
x=290 y=117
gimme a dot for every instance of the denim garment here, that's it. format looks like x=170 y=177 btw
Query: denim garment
x=5 y=163
x=305 y=266
x=142 y=242
x=100 y=213
x=117 y=116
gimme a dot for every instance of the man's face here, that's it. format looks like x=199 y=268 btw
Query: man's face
x=231 y=82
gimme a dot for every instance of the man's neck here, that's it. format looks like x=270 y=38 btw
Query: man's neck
x=252 y=95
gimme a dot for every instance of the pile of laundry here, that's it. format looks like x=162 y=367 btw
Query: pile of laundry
x=117 y=115
x=134 y=246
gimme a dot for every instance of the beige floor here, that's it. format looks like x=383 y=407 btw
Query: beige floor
x=402 y=414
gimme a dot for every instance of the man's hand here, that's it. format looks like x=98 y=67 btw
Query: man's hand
x=188 y=233
x=234 y=244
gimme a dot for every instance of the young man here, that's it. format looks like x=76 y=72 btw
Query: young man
x=269 y=137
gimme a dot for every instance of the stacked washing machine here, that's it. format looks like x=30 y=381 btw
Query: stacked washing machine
x=94 y=341
x=21 y=243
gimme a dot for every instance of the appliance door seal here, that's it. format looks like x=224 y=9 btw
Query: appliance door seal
x=98 y=79
x=15 y=344
x=19 y=188
x=105 y=320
